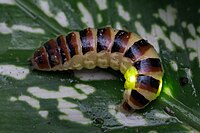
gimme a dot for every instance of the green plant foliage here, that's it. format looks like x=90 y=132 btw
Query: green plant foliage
x=86 y=100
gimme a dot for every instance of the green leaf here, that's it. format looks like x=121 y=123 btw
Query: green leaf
x=86 y=100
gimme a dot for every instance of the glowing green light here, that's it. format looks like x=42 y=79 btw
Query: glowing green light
x=159 y=89
x=167 y=91
x=130 y=77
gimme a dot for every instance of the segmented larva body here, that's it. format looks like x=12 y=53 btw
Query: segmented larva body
x=106 y=47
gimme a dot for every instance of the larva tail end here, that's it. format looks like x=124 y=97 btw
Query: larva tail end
x=125 y=108
x=31 y=66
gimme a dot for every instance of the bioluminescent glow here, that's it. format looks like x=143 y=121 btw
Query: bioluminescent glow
x=160 y=88
x=167 y=91
x=130 y=77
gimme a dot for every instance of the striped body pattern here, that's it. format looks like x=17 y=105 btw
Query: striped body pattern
x=107 y=47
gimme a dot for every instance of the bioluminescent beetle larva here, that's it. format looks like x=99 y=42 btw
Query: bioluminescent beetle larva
x=107 y=47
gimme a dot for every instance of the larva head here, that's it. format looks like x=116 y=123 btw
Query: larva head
x=39 y=60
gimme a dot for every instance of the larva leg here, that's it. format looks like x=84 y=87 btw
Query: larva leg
x=88 y=45
x=89 y=60
x=125 y=64
x=115 y=59
x=103 y=59
x=73 y=43
x=76 y=62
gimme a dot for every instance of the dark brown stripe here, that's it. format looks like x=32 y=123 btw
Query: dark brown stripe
x=138 y=99
x=72 y=44
x=87 y=40
x=120 y=41
x=147 y=83
x=53 y=53
x=103 y=39
x=41 y=58
x=137 y=49
x=63 y=49
x=126 y=106
x=148 y=65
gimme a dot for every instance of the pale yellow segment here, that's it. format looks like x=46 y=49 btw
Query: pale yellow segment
x=103 y=59
x=76 y=61
x=89 y=60
x=147 y=94
x=115 y=58
x=156 y=75
x=151 y=53
x=127 y=95
x=113 y=33
x=78 y=42
x=133 y=38
x=126 y=62
x=94 y=35
x=150 y=95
